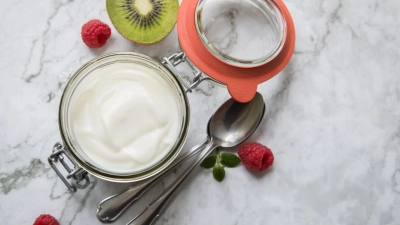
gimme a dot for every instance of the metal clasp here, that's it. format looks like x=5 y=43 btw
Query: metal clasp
x=79 y=177
x=177 y=58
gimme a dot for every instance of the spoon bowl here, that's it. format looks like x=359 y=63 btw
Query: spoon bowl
x=234 y=122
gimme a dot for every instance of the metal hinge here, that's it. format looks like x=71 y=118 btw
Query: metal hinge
x=79 y=177
x=177 y=58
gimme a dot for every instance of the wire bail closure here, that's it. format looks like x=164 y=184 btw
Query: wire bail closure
x=79 y=177
x=176 y=59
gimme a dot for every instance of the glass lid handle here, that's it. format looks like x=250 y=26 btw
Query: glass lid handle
x=79 y=177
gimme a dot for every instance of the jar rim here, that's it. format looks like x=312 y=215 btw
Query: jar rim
x=73 y=148
x=268 y=7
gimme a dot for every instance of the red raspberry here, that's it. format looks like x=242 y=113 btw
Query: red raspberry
x=46 y=219
x=95 y=33
x=256 y=156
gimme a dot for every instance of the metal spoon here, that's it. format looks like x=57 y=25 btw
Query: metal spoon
x=111 y=208
x=232 y=124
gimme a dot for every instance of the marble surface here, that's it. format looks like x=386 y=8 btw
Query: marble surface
x=332 y=121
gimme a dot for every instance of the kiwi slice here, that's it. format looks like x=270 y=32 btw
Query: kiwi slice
x=143 y=21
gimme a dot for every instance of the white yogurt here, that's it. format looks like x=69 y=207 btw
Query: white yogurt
x=124 y=117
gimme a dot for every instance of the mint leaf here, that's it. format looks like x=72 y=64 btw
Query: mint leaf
x=229 y=160
x=218 y=172
x=209 y=162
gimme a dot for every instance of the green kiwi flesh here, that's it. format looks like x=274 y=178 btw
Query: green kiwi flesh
x=143 y=21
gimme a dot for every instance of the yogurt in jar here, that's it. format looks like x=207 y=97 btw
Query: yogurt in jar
x=124 y=117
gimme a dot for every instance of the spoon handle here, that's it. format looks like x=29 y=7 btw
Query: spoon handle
x=111 y=208
x=152 y=212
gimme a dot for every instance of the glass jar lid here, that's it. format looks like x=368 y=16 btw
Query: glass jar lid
x=243 y=33
x=241 y=79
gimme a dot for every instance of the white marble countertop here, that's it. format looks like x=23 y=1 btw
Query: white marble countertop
x=332 y=121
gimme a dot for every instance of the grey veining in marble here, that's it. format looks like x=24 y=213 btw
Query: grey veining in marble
x=332 y=121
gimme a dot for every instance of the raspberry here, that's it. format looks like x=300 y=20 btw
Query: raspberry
x=46 y=219
x=256 y=156
x=95 y=33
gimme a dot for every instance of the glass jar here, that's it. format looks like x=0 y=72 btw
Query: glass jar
x=76 y=152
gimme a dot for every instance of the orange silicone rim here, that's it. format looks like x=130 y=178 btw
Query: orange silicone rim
x=241 y=82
